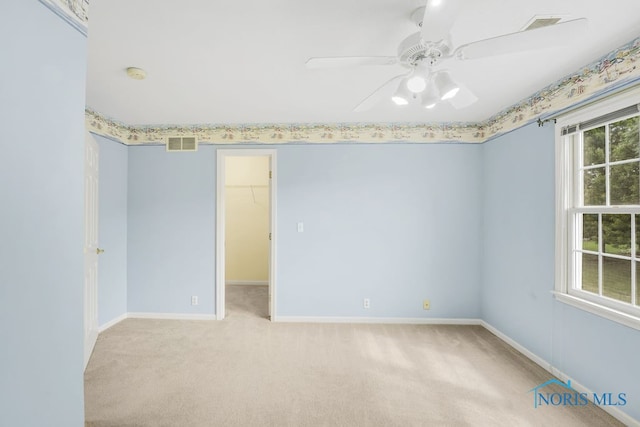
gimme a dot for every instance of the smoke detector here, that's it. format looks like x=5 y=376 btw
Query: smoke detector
x=136 y=73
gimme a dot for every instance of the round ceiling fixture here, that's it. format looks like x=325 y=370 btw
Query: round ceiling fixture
x=136 y=73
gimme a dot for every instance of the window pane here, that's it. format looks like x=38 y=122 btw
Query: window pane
x=594 y=187
x=594 y=146
x=637 y=283
x=590 y=273
x=624 y=139
x=616 y=279
x=590 y=232
x=637 y=236
x=623 y=183
x=616 y=234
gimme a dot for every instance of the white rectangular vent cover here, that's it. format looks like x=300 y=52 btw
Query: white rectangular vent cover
x=540 y=21
x=182 y=143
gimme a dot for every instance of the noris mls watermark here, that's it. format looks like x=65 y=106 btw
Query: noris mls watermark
x=568 y=396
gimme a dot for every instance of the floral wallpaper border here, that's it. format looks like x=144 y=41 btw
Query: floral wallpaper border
x=615 y=70
x=75 y=12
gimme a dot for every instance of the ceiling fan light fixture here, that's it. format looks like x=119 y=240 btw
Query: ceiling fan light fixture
x=430 y=96
x=416 y=83
x=429 y=103
x=399 y=100
x=450 y=94
x=446 y=86
x=402 y=94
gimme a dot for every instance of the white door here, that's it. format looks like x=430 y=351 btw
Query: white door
x=91 y=250
x=270 y=238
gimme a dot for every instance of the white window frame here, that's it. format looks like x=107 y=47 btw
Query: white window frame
x=568 y=191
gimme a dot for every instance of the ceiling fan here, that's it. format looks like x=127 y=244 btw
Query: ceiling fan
x=422 y=54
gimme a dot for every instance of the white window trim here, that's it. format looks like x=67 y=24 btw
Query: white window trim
x=598 y=309
x=583 y=300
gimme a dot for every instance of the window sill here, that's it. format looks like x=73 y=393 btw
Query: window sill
x=599 y=310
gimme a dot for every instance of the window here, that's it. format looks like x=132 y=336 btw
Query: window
x=598 y=208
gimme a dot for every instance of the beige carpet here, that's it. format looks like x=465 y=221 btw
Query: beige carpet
x=247 y=371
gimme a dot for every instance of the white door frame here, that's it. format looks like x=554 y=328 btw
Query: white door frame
x=91 y=251
x=221 y=154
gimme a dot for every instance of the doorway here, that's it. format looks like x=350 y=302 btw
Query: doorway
x=91 y=250
x=246 y=186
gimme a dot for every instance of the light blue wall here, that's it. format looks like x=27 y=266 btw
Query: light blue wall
x=171 y=230
x=386 y=222
x=42 y=81
x=518 y=272
x=600 y=354
x=518 y=236
x=112 y=268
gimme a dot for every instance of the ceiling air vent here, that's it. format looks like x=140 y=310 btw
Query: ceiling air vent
x=182 y=143
x=540 y=21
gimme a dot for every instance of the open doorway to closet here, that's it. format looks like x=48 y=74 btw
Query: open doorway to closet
x=245 y=230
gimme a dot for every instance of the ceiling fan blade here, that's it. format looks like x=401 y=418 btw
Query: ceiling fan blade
x=463 y=98
x=385 y=91
x=540 y=38
x=350 y=61
x=439 y=17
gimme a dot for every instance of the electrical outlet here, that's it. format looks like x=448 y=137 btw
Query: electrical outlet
x=366 y=303
x=194 y=300
x=426 y=305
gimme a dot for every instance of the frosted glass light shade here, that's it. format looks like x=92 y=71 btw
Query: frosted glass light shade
x=402 y=94
x=416 y=83
x=446 y=86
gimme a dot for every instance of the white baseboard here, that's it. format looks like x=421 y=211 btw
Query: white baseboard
x=621 y=416
x=172 y=316
x=534 y=357
x=385 y=320
x=113 y=322
x=247 y=282
x=168 y=316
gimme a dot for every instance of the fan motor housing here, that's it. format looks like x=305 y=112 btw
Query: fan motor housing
x=413 y=50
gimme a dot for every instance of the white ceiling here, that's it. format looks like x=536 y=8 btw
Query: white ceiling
x=230 y=62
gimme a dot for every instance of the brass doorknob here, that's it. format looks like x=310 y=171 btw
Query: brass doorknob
x=99 y=251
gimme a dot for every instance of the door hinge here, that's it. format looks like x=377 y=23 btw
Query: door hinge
x=270 y=174
x=269 y=236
